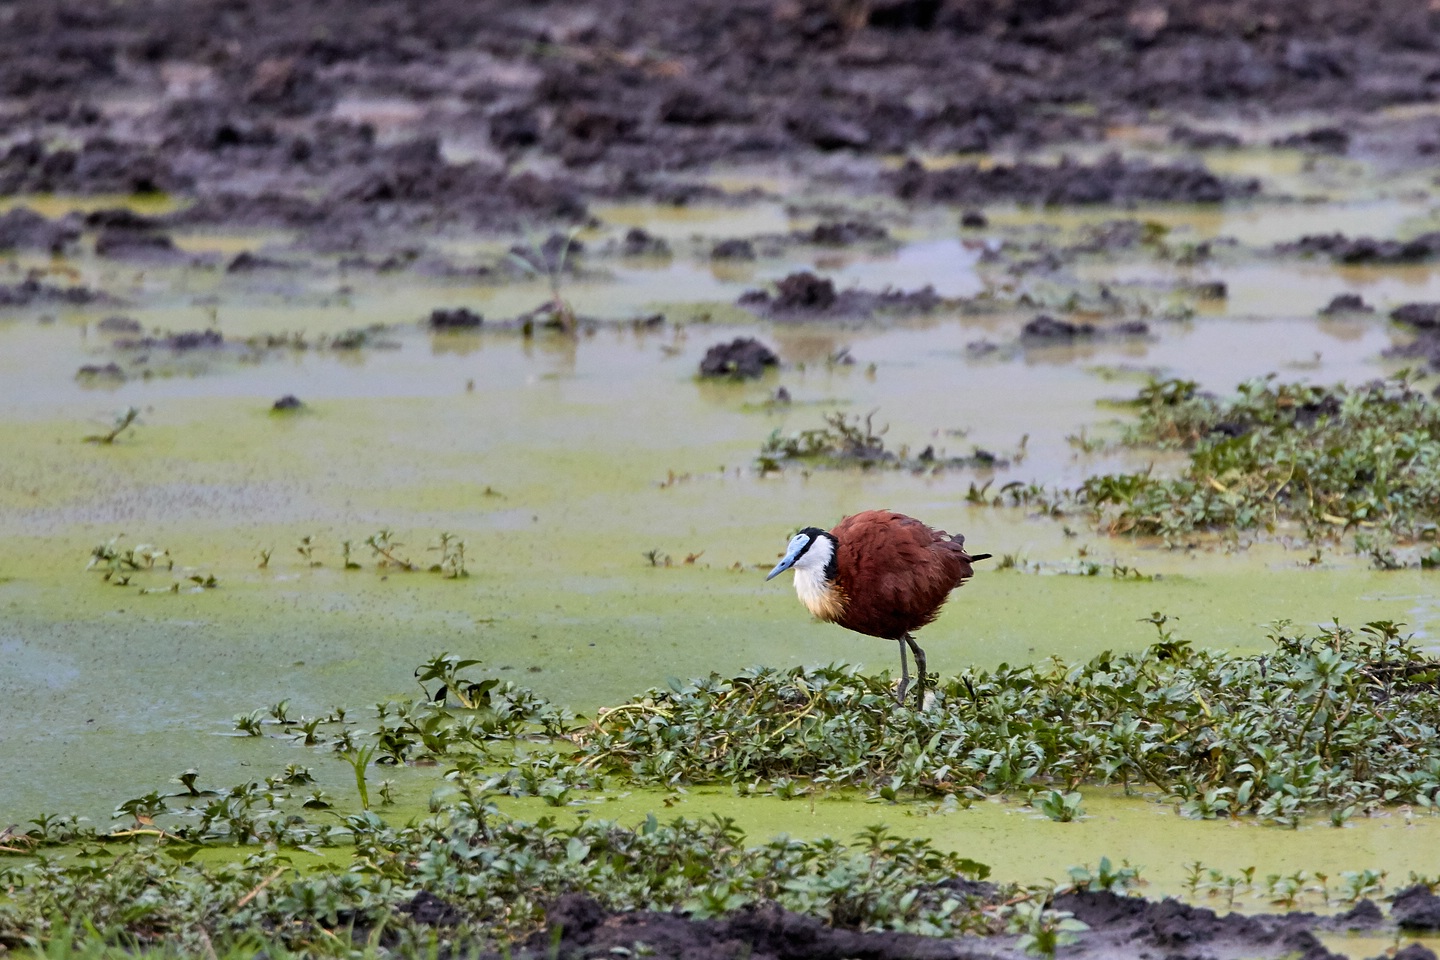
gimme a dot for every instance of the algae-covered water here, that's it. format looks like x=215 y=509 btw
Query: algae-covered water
x=562 y=462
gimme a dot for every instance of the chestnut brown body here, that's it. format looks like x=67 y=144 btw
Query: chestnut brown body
x=894 y=573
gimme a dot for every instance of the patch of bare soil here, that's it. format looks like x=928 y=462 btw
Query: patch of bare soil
x=579 y=927
x=248 y=108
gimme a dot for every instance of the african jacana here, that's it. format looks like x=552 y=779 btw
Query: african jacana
x=879 y=573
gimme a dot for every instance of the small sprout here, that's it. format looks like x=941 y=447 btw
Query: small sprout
x=452 y=557
x=249 y=723
x=306 y=549
x=124 y=420
x=383 y=545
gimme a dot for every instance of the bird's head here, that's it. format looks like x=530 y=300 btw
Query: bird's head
x=812 y=550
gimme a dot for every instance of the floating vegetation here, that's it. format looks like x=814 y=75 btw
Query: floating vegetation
x=1328 y=460
x=1340 y=723
x=847 y=441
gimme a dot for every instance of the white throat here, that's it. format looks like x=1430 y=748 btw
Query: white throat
x=810 y=583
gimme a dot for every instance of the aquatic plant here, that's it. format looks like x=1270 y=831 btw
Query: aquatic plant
x=124 y=420
x=1333 y=720
x=852 y=441
x=494 y=874
x=1328 y=460
x=1340 y=722
x=1341 y=719
x=549 y=261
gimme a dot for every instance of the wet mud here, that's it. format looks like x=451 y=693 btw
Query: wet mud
x=579 y=927
x=262 y=127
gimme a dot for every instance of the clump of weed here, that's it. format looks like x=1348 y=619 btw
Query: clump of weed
x=496 y=876
x=119 y=565
x=853 y=441
x=1330 y=460
x=1333 y=720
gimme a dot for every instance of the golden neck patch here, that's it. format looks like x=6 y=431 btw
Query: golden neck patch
x=822 y=599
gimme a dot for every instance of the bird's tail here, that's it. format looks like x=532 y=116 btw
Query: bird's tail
x=981 y=556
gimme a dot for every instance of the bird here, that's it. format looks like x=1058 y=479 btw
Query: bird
x=879 y=573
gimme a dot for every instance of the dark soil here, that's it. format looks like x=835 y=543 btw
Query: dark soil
x=740 y=359
x=22 y=229
x=1046 y=328
x=31 y=292
x=232 y=104
x=1343 y=249
x=460 y=318
x=579 y=927
x=1343 y=303
x=806 y=296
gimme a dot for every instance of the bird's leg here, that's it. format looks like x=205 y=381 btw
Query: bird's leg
x=919 y=669
x=904 y=676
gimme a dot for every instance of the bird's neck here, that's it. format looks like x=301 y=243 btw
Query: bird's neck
x=815 y=577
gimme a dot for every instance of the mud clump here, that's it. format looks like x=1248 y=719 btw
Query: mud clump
x=247 y=262
x=734 y=249
x=641 y=243
x=1420 y=316
x=31 y=292
x=101 y=165
x=577 y=926
x=287 y=403
x=1343 y=303
x=741 y=359
x=182 y=342
x=803 y=291
x=1343 y=249
x=119 y=324
x=845 y=233
x=1417 y=909
x=459 y=318
x=1319 y=140
x=1110 y=181
x=121 y=243
x=24 y=229
x=805 y=296
x=1047 y=329
x=1193 y=139
x=107 y=371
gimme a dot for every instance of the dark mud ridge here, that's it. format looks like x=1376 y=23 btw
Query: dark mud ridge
x=579 y=927
x=805 y=296
x=252 y=111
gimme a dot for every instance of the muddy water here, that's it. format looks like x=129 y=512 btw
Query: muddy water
x=562 y=462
